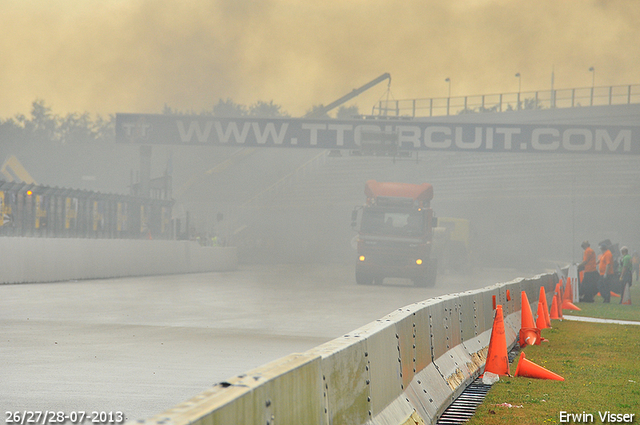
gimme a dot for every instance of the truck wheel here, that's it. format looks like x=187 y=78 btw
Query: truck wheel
x=363 y=278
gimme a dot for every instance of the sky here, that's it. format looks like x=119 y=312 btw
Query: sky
x=109 y=56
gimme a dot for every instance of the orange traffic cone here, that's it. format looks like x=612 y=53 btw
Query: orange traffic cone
x=529 y=334
x=508 y=295
x=498 y=357
x=543 y=298
x=559 y=304
x=529 y=369
x=541 y=320
x=568 y=305
x=568 y=291
x=567 y=299
x=611 y=293
x=554 y=309
x=525 y=313
x=626 y=295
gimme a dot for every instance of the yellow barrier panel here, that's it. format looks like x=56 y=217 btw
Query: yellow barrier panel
x=13 y=171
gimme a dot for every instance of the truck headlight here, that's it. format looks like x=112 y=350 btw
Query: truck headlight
x=361 y=258
x=418 y=261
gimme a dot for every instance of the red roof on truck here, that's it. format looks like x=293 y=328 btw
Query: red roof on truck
x=419 y=192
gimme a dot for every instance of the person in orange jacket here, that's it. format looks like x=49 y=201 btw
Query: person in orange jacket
x=589 y=283
x=605 y=268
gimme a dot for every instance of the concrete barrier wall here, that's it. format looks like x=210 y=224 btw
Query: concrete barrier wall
x=408 y=366
x=58 y=259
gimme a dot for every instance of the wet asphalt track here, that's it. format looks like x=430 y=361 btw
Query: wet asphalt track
x=142 y=345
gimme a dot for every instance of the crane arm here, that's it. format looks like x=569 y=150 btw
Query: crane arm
x=355 y=92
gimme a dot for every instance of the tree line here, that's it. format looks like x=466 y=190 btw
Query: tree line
x=42 y=125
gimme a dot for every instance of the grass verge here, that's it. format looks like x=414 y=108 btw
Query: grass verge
x=600 y=364
x=613 y=310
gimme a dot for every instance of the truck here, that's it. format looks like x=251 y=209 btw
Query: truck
x=395 y=235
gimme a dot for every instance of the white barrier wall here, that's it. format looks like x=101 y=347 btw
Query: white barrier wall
x=57 y=259
x=406 y=367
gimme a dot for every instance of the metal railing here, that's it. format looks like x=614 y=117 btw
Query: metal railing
x=40 y=211
x=502 y=102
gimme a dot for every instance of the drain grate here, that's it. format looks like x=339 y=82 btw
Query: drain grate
x=464 y=407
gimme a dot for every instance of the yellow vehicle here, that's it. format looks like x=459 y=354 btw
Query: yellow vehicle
x=451 y=242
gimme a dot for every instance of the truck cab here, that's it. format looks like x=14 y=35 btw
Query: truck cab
x=395 y=234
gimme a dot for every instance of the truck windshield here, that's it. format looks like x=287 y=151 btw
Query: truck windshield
x=392 y=223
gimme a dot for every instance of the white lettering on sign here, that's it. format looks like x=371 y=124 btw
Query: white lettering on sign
x=418 y=135
x=340 y=130
x=508 y=136
x=232 y=128
x=137 y=129
x=313 y=135
x=477 y=142
x=409 y=134
x=444 y=143
x=541 y=143
x=577 y=139
x=194 y=127
x=270 y=130
x=624 y=136
x=489 y=138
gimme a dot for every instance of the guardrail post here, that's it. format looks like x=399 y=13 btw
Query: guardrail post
x=610 y=94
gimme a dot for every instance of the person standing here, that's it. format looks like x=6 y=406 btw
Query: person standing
x=626 y=270
x=605 y=268
x=589 y=284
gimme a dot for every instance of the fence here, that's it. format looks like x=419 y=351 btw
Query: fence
x=501 y=102
x=41 y=211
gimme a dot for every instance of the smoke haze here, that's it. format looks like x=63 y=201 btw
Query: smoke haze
x=138 y=55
